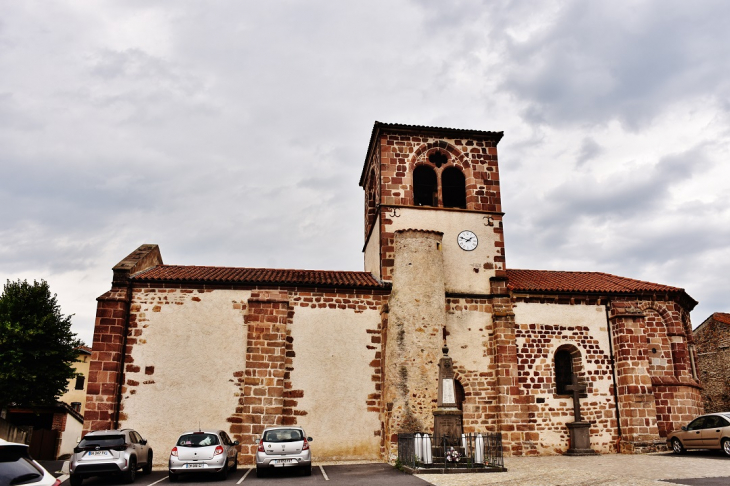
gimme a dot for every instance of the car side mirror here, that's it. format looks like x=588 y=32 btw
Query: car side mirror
x=309 y=439
x=235 y=442
x=143 y=441
x=684 y=427
x=255 y=440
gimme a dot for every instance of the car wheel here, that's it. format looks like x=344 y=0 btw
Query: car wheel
x=726 y=446
x=235 y=464
x=677 y=446
x=307 y=470
x=260 y=472
x=131 y=473
x=75 y=480
x=148 y=467
x=173 y=477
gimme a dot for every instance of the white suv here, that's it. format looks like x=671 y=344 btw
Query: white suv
x=110 y=452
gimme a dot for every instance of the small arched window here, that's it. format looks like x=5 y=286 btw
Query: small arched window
x=425 y=191
x=453 y=185
x=563 y=371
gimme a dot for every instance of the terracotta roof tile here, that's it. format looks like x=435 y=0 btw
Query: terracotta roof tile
x=258 y=276
x=557 y=281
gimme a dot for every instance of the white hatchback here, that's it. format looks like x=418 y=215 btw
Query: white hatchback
x=17 y=467
x=281 y=447
x=203 y=452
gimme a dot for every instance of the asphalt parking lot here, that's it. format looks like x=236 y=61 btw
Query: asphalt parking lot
x=337 y=475
x=696 y=468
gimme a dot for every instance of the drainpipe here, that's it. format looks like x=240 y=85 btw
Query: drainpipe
x=613 y=375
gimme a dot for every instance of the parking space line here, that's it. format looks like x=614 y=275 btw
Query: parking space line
x=244 y=476
x=326 y=478
x=158 y=481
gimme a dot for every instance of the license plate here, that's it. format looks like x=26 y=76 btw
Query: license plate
x=282 y=461
x=98 y=453
x=194 y=465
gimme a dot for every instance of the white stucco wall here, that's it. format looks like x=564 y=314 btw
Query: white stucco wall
x=372 y=250
x=464 y=270
x=71 y=435
x=195 y=347
x=468 y=338
x=332 y=366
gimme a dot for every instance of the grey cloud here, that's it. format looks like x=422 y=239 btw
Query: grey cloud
x=589 y=149
x=593 y=64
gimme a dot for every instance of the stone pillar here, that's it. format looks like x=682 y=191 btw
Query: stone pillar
x=636 y=404
x=514 y=408
x=417 y=315
x=107 y=358
x=262 y=402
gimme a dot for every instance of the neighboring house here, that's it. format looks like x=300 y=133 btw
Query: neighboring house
x=353 y=356
x=75 y=395
x=57 y=428
x=712 y=338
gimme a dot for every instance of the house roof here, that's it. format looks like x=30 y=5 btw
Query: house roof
x=594 y=282
x=259 y=276
x=721 y=317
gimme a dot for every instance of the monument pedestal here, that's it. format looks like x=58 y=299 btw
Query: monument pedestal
x=580 y=439
x=447 y=421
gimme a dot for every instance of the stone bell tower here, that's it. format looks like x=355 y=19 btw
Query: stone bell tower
x=433 y=227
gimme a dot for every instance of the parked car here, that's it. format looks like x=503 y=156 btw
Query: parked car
x=17 y=467
x=711 y=431
x=203 y=452
x=283 y=447
x=110 y=453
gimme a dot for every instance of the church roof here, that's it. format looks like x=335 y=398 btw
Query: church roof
x=259 y=276
x=558 y=281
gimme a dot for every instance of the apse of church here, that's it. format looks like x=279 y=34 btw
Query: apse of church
x=353 y=357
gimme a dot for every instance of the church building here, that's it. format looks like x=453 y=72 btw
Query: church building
x=352 y=356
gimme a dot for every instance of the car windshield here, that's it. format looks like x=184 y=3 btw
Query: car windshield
x=15 y=468
x=283 y=435
x=102 y=441
x=197 y=439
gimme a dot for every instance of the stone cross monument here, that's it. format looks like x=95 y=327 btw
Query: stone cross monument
x=580 y=439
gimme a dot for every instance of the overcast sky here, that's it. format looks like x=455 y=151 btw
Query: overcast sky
x=233 y=133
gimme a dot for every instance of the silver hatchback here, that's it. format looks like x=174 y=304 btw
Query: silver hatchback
x=203 y=452
x=110 y=452
x=281 y=447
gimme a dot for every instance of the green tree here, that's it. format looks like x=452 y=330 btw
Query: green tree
x=37 y=347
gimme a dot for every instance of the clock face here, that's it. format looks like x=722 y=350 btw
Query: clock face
x=467 y=240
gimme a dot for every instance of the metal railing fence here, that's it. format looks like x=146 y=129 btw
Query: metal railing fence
x=475 y=450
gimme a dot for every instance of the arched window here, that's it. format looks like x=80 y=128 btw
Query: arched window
x=563 y=371
x=453 y=184
x=425 y=192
